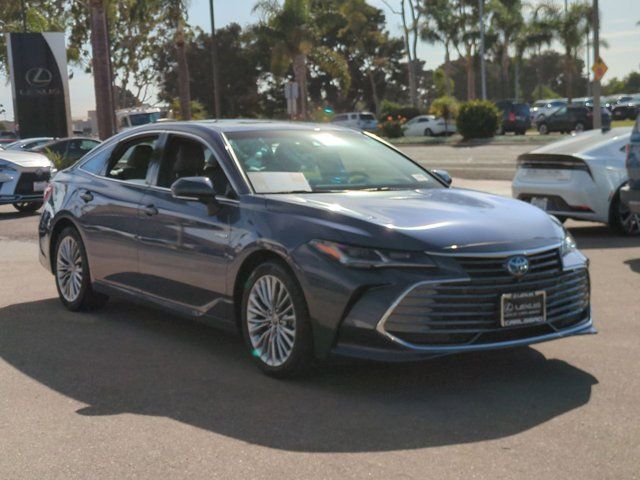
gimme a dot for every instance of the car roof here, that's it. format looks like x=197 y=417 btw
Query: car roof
x=586 y=142
x=238 y=125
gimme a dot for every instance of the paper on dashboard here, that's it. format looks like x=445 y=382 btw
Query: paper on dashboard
x=274 y=182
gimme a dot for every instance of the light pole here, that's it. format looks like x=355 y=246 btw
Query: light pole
x=214 y=63
x=483 y=72
x=597 y=112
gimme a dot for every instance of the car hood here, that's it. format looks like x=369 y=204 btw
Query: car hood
x=24 y=159
x=447 y=220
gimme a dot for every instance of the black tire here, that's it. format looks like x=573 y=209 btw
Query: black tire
x=428 y=132
x=561 y=219
x=27 y=207
x=543 y=129
x=87 y=299
x=621 y=220
x=579 y=127
x=301 y=353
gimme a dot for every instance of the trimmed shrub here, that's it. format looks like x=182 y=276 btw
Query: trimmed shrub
x=477 y=119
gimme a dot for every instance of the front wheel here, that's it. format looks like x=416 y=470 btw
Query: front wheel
x=543 y=129
x=275 y=321
x=27 y=207
x=71 y=270
x=579 y=127
x=428 y=132
x=622 y=220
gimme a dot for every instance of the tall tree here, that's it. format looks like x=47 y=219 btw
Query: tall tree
x=410 y=13
x=570 y=25
x=440 y=26
x=507 y=22
x=467 y=22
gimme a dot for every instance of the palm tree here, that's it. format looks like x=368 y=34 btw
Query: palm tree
x=571 y=26
x=290 y=27
x=507 y=22
x=176 y=18
x=440 y=26
x=101 y=63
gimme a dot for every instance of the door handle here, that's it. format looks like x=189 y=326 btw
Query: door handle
x=86 y=196
x=150 y=210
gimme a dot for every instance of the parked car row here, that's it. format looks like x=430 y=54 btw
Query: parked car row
x=26 y=166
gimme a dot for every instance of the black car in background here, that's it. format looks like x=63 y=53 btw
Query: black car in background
x=68 y=150
x=516 y=117
x=626 y=110
x=572 y=118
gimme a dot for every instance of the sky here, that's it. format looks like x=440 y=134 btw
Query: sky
x=618 y=27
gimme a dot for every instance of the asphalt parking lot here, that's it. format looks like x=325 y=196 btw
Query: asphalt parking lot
x=128 y=392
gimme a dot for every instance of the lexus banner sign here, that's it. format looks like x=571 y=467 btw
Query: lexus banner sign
x=38 y=66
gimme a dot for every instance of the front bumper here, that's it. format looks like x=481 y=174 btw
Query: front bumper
x=458 y=314
x=17 y=185
x=631 y=198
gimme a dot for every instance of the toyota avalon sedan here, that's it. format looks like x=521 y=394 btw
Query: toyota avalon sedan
x=312 y=241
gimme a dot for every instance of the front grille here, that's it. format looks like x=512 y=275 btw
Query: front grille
x=469 y=312
x=25 y=182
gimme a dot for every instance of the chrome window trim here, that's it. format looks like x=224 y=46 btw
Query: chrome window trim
x=504 y=253
x=233 y=156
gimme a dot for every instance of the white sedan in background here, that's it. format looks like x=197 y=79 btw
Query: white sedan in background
x=579 y=177
x=428 y=125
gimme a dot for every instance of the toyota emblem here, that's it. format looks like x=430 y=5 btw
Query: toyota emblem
x=518 y=266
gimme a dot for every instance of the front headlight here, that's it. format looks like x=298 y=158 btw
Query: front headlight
x=363 y=257
x=568 y=244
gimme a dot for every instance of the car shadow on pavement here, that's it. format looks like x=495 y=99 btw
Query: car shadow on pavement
x=130 y=359
x=9 y=215
x=596 y=237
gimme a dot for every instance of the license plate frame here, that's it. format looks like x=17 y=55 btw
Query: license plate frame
x=40 y=186
x=523 y=308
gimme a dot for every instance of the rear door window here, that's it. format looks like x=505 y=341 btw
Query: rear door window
x=132 y=159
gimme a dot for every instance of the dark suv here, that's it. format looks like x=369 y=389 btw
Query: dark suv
x=630 y=194
x=572 y=118
x=516 y=117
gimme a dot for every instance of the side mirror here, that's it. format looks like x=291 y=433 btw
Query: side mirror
x=196 y=188
x=443 y=175
x=193 y=188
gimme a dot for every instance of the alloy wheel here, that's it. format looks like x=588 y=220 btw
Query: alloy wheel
x=630 y=222
x=69 y=269
x=271 y=320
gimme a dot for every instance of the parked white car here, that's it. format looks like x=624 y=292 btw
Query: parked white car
x=428 y=125
x=544 y=108
x=23 y=178
x=579 y=177
x=356 y=120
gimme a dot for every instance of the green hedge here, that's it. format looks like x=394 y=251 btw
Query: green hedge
x=477 y=119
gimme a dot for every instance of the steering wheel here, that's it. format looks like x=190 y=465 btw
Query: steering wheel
x=363 y=177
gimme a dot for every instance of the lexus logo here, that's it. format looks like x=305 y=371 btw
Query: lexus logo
x=38 y=77
x=518 y=266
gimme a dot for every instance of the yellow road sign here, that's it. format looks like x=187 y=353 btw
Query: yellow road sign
x=599 y=69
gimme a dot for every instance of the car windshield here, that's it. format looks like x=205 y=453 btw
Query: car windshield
x=324 y=161
x=367 y=116
x=143 y=118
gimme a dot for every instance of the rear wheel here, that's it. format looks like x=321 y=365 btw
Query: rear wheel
x=71 y=270
x=622 y=220
x=579 y=127
x=27 y=207
x=275 y=321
